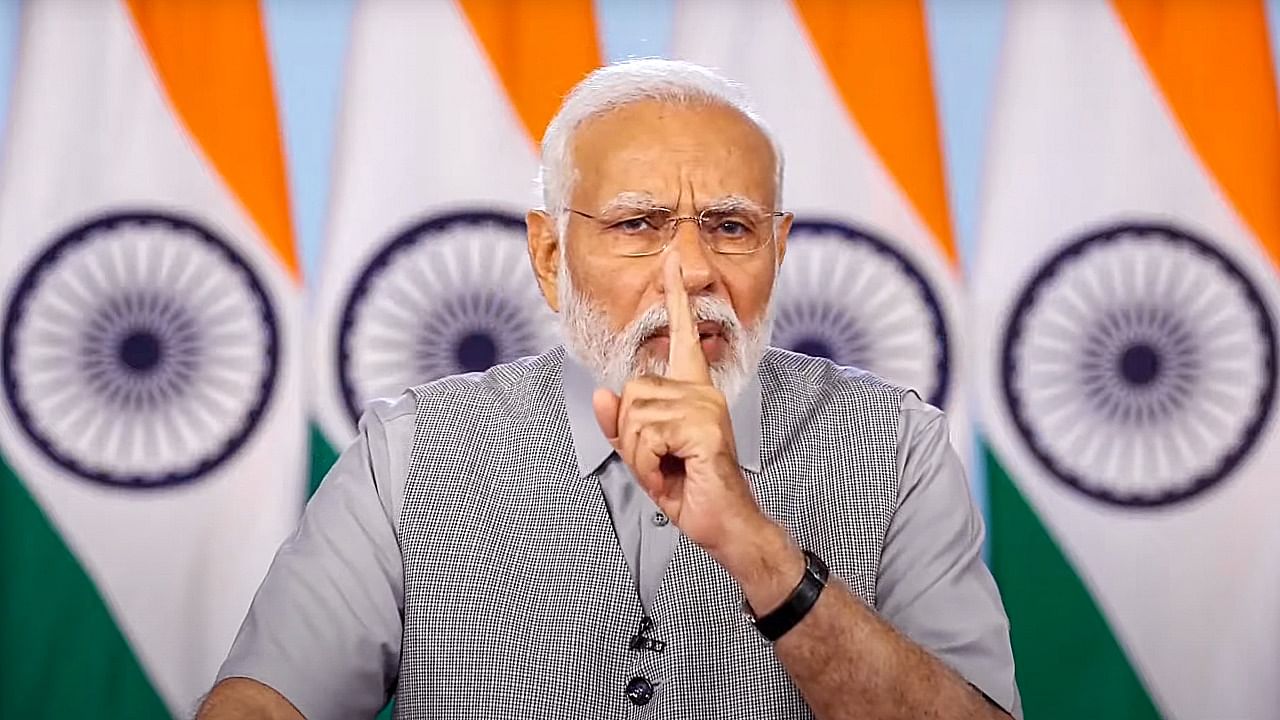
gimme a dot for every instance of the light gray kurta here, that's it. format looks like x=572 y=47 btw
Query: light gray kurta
x=338 y=582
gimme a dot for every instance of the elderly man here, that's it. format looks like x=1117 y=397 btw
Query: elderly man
x=666 y=518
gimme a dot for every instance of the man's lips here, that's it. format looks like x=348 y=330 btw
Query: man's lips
x=711 y=337
x=706 y=329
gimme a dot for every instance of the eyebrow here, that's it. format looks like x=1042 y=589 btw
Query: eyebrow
x=643 y=201
x=733 y=203
x=629 y=201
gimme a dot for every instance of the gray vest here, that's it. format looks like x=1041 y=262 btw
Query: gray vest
x=518 y=602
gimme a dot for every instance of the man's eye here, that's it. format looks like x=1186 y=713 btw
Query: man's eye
x=732 y=228
x=632 y=225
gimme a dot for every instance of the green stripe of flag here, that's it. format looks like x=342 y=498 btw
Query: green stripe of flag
x=323 y=456
x=61 y=653
x=1069 y=664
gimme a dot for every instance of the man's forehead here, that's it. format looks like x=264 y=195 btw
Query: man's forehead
x=664 y=150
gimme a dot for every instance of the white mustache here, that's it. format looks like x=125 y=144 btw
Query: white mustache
x=704 y=308
x=613 y=355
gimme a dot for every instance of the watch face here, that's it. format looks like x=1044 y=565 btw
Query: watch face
x=815 y=568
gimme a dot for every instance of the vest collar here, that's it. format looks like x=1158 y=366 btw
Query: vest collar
x=593 y=449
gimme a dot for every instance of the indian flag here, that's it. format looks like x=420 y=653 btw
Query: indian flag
x=151 y=420
x=426 y=271
x=871 y=277
x=1127 y=298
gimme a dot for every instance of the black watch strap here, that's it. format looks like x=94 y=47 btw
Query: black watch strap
x=798 y=603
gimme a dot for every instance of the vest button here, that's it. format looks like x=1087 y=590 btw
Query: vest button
x=639 y=691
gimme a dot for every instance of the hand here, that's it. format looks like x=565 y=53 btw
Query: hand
x=675 y=434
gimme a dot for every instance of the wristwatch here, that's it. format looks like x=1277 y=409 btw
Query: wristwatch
x=798 y=604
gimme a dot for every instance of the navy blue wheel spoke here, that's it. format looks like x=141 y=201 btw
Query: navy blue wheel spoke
x=176 y=271
x=73 y=412
x=1165 y=382
x=392 y=313
x=1172 y=287
x=67 y=303
x=900 y=329
x=151 y=312
x=397 y=296
x=224 y=384
x=1073 y=310
x=1084 y=289
x=56 y=315
x=429 y=305
x=845 y=294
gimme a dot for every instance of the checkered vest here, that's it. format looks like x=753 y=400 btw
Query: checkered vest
x=518 y=602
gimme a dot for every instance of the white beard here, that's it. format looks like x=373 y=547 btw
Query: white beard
x=613 y=358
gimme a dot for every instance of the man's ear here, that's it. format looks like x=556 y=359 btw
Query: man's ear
x=780 y=238
x=544 y=255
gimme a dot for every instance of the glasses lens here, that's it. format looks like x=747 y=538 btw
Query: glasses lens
x=635 y=232
x=735 y=232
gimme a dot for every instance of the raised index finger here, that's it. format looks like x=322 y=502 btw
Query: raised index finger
x=685 y=360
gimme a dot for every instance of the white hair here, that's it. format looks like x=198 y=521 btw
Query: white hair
x=611 y=87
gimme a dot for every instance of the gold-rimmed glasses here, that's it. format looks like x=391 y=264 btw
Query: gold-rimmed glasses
x=728 y=231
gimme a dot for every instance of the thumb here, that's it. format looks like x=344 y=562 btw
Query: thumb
x=606 y=405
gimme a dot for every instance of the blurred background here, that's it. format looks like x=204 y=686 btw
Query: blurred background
x=224 y=226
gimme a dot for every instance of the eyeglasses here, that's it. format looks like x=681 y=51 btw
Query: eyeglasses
x=634 y=233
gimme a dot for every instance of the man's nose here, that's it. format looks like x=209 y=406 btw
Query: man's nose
x=695 y=259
